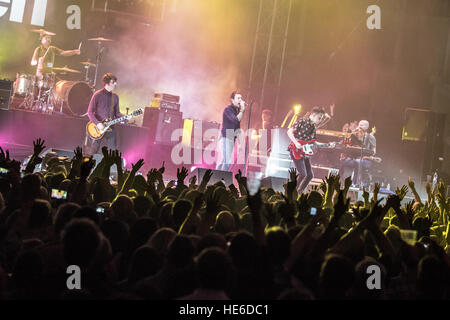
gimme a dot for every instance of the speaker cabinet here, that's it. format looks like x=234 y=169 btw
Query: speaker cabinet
x=217 y=175
x=415 y=125
x=6 y=87
x=162 y=123
x=276 y=183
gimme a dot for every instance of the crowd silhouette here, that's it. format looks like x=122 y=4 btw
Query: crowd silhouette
x=140 y=238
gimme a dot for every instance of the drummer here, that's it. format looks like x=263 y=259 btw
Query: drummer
x=44 y=55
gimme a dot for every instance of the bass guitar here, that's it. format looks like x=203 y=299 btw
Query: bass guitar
x=95 y=133
x=307 y=148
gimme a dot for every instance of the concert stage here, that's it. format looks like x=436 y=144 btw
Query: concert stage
x=18 y=129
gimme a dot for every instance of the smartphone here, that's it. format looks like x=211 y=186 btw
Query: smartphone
x=59 y=194
x=3 y=170
x=100 y=209
x=313 y=211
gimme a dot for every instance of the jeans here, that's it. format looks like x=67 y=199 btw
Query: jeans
x=352 y=165
x=110 y=137
x=305 y=173
x=227 y=148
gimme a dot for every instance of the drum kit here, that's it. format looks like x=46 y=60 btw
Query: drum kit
x=50 y=92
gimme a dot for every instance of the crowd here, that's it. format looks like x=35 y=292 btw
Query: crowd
x=140 y=238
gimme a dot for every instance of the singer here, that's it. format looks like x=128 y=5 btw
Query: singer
x=231 y=130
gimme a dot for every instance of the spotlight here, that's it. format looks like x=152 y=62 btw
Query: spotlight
x=297 y=108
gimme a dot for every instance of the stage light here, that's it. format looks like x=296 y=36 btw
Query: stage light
x=297 y=108
x=187 y=132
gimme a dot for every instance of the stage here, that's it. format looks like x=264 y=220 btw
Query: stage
x=18 y=129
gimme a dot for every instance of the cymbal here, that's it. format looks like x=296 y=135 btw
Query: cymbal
x=65 y=69
x=42 y=31
x=100 y=39
x=87 y=63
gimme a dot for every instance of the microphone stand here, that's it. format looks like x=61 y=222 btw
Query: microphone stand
x=360 y=161
x=246 y=140
x=97 y=62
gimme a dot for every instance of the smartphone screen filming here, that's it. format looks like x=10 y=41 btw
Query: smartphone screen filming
x=313 y=211
x=59 y=194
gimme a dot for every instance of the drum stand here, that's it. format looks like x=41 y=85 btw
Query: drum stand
x=97 y=62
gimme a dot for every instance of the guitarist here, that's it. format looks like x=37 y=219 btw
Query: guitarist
x=305 y=129
x=104 y=105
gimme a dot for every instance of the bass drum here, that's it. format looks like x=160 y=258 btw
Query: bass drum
x=74 y=95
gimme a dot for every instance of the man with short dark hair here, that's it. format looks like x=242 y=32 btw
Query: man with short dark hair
x=305 y=129
x=231 y=127
x=104 y=104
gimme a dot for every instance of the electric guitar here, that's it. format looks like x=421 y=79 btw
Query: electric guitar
x=307 y=148
x=95 y=133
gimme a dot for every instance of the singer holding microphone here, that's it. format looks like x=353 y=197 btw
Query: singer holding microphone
x=231 y=130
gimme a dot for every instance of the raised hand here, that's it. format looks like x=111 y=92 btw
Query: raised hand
x=393 y=201
x=105 y=151
x=78 y=153
x=337 y=182
x=376 y=190
x=151 y=176
x=162 y=169
x=365 y=196
x=302 y=203
x=117 y=157
x=109 y=158
x=86 y=168
x=38 y=146
x=181 y=175
x=207 y=176
x=2 y=155
x=192 y=181
x=430 y=192
x=401 y=193
x=323 y=186
x=375 y=216
x=234 y=191
x=135 y=167
x=293 y=175
x=212 y=205
x=411 y=183
x=341 y=206
x=347 y=182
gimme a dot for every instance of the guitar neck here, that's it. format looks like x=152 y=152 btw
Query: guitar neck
x=134 y=113
x=326 y=145
x=110 y=123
